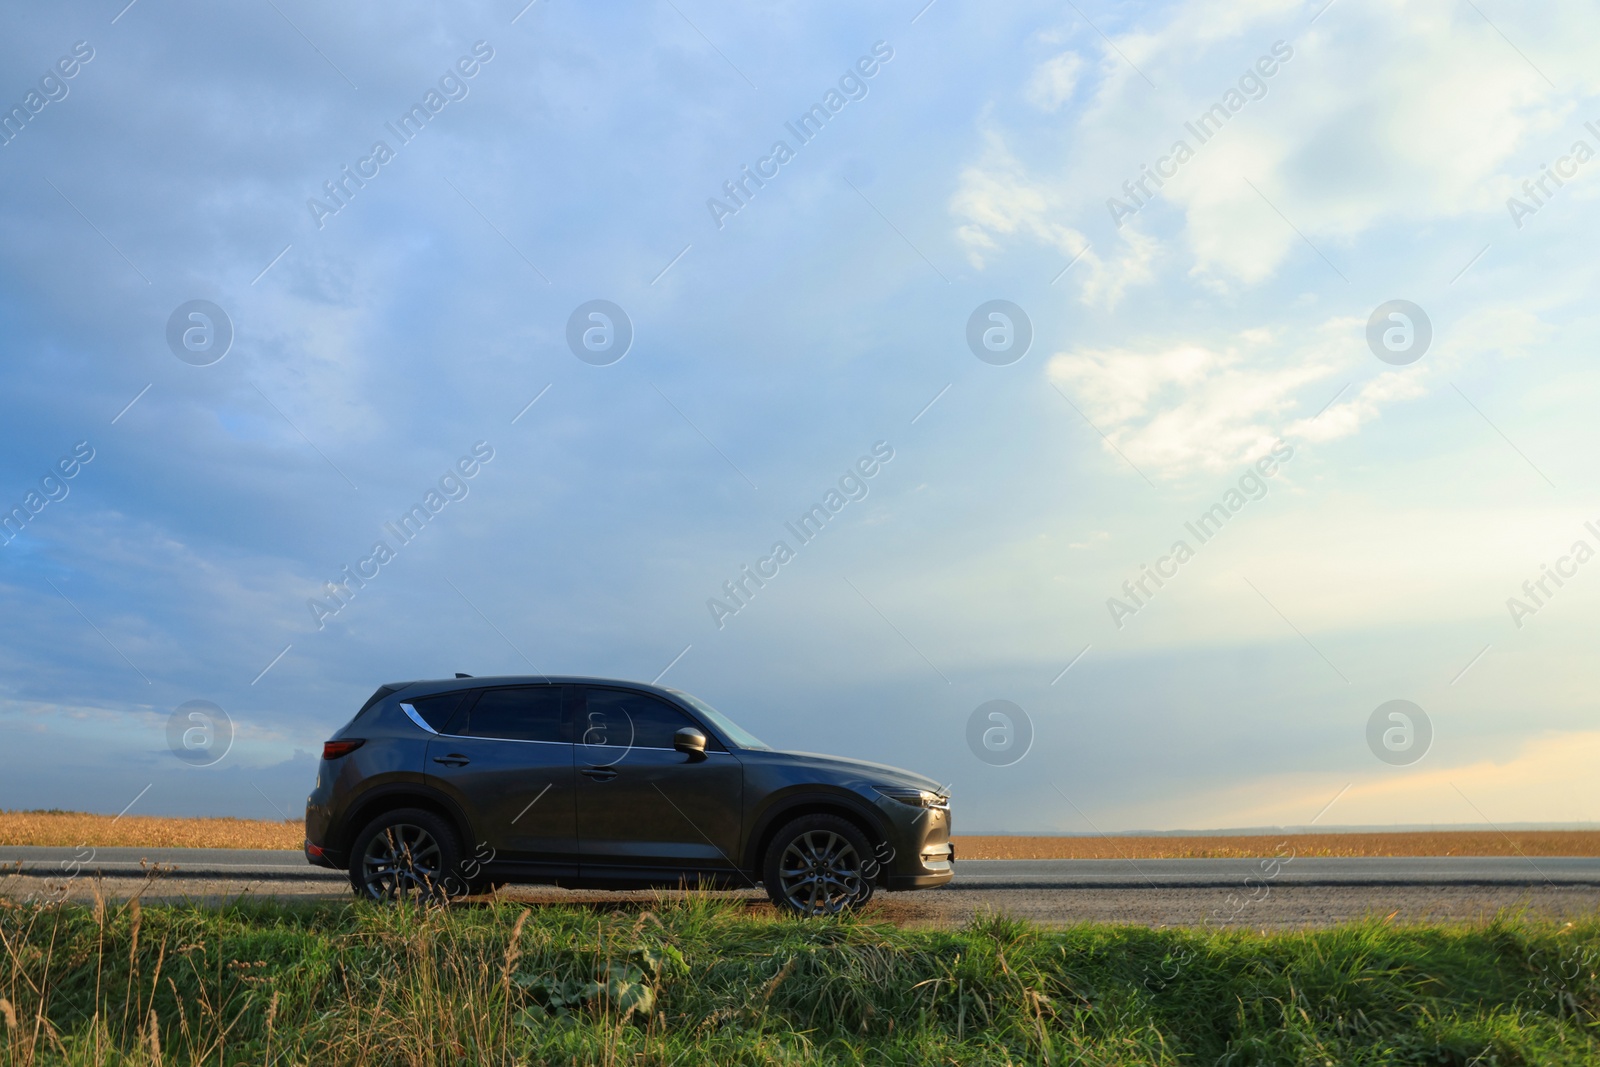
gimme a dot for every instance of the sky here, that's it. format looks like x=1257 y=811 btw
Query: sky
x=1030 y=290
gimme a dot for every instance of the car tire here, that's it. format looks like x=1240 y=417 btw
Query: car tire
x=817 y=865
x=408 y=853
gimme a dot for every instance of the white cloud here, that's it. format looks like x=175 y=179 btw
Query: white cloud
x=1053 y=81
x=1443 y=124
x=1181 y=406
x=1173 y=407
x=996 y=200
x=1508 y=332
x=1108 y=280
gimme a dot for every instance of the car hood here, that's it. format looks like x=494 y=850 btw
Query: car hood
x=861 y=770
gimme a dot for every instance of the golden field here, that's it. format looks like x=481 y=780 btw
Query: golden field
x=1404 y=843
x=70 y=829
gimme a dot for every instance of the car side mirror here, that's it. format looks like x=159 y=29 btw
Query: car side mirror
x=690 y=742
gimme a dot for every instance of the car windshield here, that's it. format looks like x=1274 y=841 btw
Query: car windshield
x=730 y=729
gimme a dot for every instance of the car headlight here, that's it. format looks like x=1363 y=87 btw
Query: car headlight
x=917 y=798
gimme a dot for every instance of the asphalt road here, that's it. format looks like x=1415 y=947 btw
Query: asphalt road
x=993 y=876
x=1243 y=874
x=231 y=863
x=1305 y=891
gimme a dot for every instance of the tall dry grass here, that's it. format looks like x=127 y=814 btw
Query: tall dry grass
x=697 y=981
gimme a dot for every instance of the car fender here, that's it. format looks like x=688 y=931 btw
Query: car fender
x=796 y=800
x=393 y=793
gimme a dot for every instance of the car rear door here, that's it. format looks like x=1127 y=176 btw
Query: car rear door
x=645 y=810
x=505 y=756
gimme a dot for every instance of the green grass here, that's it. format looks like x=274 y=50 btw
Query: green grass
x=700 y=981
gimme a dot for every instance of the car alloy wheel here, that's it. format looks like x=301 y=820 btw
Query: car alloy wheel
x=402 y=861
x=403 y=855
x=816 y=867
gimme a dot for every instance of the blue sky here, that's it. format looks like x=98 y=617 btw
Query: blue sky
x=773 y=348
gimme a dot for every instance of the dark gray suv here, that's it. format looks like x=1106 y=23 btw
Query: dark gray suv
x=450 y=787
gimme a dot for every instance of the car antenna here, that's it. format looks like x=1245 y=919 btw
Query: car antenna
x=460 y=675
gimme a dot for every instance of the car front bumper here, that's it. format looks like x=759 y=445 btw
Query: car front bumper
x=923 y=857
x=936 y=866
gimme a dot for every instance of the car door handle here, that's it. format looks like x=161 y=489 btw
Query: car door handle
x=454 y=759
x=600 y=774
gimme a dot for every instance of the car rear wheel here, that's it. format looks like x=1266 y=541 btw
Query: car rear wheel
x=817 y=865
x=405 y=854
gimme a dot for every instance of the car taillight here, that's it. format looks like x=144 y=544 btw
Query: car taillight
x=335 y=749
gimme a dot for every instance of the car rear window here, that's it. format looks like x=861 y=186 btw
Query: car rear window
x=437 y=710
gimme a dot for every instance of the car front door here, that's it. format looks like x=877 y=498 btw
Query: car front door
x=645 y=810
x=505 y=756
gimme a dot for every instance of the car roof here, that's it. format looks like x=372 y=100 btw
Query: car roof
x=490 y=681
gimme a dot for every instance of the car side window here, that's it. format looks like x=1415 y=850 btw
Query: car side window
x=618 y=718
x=524 y=713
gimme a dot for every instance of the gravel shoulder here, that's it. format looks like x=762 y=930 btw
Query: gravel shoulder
x=1277 y=908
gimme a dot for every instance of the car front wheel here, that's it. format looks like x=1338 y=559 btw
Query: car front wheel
x=818 y=865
